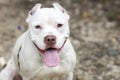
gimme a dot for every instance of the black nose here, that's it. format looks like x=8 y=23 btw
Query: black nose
x=50 y=40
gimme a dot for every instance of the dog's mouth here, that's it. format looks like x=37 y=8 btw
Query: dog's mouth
x=50 y=55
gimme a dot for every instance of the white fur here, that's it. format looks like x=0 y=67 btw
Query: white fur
x=31 y=66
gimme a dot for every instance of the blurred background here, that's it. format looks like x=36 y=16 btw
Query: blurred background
x=95 y=30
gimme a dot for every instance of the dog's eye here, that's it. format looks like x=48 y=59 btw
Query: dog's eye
x=59 y=25
x=38 y=27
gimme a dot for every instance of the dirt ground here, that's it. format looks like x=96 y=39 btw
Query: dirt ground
x=95 y=34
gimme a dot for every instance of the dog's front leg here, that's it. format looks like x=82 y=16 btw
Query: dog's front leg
x=9 y=72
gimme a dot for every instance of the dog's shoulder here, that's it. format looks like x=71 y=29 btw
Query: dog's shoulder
x=19 y=42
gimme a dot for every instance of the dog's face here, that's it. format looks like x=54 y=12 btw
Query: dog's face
x=49 y=30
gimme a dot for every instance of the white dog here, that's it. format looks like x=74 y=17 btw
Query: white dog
x=44 y=51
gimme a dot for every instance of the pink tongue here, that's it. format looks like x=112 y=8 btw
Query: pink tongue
x=51 y=58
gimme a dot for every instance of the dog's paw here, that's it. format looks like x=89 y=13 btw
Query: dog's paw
x=2 y=62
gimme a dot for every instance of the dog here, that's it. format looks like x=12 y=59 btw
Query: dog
x=44 y=51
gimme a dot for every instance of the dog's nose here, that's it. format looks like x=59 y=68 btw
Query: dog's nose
x=50 y=39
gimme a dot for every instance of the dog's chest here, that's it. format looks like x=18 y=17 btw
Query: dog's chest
x=45 y=73
x=35 y=69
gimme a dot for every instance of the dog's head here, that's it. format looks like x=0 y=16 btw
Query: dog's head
x=49 y=30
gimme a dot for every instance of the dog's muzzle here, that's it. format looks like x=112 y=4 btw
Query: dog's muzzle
x=50 y=41
x=51 y=56
x=42 y=51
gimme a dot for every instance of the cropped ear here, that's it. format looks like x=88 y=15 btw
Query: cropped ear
x=33 y=10
x=60 y=8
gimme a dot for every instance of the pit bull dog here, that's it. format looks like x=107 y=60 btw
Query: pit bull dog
x=44 y=51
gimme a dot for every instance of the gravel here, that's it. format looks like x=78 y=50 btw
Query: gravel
x=96 y=39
